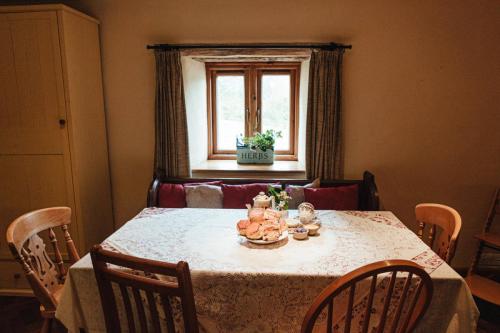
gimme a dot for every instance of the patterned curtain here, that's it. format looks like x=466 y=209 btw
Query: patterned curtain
x=171 y=138
x=323 y=128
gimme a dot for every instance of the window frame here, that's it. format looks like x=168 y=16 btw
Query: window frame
x=252 y=72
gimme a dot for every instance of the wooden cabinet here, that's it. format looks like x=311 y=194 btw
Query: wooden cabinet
x=53 y=147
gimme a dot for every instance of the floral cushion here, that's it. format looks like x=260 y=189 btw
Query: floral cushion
x=174 y=195
x=203 y=196
x=296 y=192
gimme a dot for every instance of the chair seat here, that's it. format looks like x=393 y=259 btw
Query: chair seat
x=484 y=288
x=490 y=238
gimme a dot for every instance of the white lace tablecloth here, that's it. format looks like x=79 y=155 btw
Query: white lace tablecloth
x=242 y=287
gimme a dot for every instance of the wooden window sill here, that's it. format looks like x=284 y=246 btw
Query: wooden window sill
x=231 y=169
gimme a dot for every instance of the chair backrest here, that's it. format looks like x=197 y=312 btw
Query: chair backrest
x=44 y=274
x=137 y=282
x=401 y=306
x=494 y=210
x=430 y=215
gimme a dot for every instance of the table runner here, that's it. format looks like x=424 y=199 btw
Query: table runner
x=243 y=287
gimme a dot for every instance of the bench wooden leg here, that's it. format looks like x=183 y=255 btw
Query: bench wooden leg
x=47 y=325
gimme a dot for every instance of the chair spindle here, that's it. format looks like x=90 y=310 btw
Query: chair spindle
x=401 y=303
x=350 y=304
x=432 y=235
x=140 y=309
x=329 y=324
x=369 y=303
x=57 y=254
x=153 y=311
x=70 y=245
x=128 y=308
x=387 y=302
x=167 y=308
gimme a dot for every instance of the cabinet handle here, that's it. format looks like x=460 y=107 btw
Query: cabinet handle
x=62 y=122
x=17 y=276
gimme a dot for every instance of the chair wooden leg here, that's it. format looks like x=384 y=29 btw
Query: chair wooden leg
x=47 y=325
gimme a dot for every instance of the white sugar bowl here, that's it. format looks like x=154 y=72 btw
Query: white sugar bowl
x=306 y=213
x=306 y=217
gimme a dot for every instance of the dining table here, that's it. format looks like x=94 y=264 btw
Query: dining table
x=240 y=286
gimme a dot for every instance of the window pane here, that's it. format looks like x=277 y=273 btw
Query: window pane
x=275 y=106
x=230 y=104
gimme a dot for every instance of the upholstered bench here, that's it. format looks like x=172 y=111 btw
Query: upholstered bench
x=358 y=194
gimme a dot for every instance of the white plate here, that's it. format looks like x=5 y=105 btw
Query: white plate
x=315 y=220
x=263 y=242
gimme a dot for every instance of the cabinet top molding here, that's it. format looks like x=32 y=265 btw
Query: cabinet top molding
x=45 y=8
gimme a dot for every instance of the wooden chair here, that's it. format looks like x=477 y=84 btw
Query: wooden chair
x=143 y=283
x=483 y=286
x=449 y=221
x=46 y=276
x=414 y=303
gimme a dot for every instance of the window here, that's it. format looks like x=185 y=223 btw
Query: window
x=244 y=98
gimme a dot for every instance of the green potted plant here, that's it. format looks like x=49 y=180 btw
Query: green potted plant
x=279 y=200
x=257 y=149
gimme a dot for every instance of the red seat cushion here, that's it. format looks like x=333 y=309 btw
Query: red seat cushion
x=236 y=196
x=171 y=196
x=335 y=198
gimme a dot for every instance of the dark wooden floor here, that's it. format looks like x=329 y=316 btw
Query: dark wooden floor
x=489 y=322
x=21 y=315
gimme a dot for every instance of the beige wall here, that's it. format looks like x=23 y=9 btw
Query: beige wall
x=421 y=90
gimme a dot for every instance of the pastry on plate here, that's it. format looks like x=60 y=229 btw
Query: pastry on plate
x=271 y=236
x=255 y=235
x=252 y=228
x=269 y=227
x=271 y=214
x=242 y=226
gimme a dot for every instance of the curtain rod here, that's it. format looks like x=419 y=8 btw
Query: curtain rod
x=324 y=46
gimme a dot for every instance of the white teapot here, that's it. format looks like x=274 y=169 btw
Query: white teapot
x=262 y=201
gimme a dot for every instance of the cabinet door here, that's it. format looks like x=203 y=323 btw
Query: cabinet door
x=31 y=84
x=32 y=182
